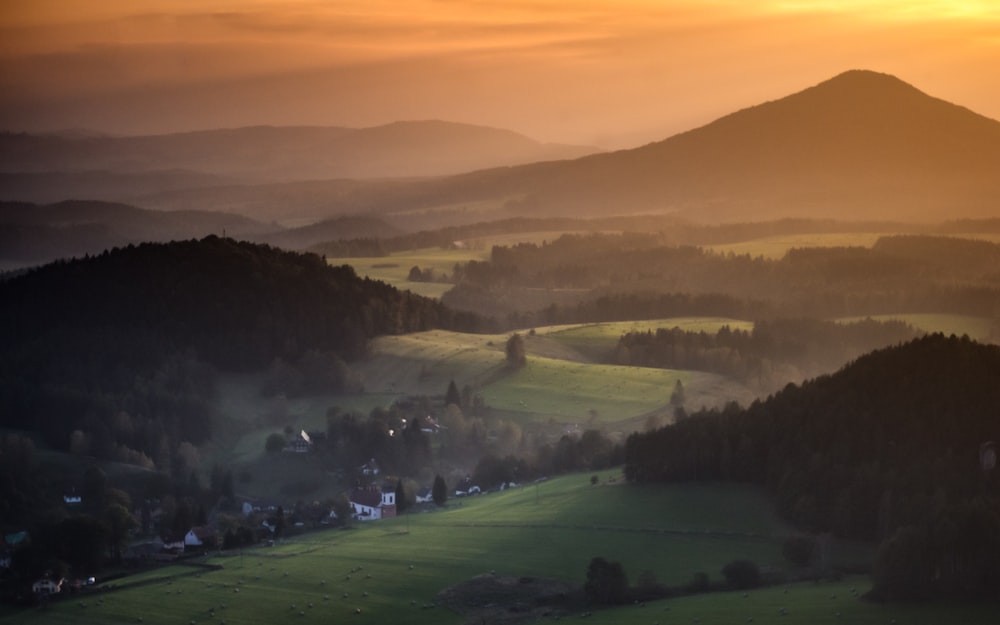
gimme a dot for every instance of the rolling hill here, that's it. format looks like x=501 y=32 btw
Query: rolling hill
x=857 y=146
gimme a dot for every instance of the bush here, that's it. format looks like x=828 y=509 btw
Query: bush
x=606 y=582
x=799 y=550
x=741 y=574
x=699 y=583
x=275 y=443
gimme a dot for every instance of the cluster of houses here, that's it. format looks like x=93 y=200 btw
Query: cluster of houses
x=369 y=502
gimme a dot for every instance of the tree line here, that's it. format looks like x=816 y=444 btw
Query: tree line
x=773 y=353
x=912 y=273
x=888 y=448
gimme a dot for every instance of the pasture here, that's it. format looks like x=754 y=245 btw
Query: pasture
x=799 y=604
x=775 y=247
x=395 y=268
x=390 y=571
x=598 y=340
x=558 y=382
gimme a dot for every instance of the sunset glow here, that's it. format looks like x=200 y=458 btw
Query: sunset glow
x=591 y=71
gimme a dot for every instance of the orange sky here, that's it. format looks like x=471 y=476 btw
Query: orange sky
x=610 y=72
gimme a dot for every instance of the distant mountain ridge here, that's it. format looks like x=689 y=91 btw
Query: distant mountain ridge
x=261 y=154
x=860 y=146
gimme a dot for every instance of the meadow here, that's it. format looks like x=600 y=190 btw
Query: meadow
x=390 y=571
x=395 y=268
x=776 y=247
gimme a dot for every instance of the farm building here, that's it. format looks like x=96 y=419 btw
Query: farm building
x=203 y=536
x=300 y=444
x=47 y=586
x=424 y=495
x=372 y=503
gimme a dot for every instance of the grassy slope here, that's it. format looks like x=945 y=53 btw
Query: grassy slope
x=559 y=381
x=549 y=530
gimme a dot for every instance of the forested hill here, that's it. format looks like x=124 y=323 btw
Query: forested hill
x=888 y=447
x=239 y=305
x=139 y=329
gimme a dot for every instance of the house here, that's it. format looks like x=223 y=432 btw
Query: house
x=369 y=468
x=247 y=508
x=372 y=503
x=173 y=544
x=300 y=444
x=202 y=536
x=47 y=586
x=466 y=487
x=425 y=495
x=429 y=425
x=71 y=498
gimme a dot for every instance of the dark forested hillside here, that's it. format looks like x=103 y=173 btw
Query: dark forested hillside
x=121 y=347
x=889 y=448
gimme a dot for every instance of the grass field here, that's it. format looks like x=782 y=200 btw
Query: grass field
x=395 y=268
x=390 y=571
x=777 y=246
x=597 y=340
x=558 y=382
x=803 y=604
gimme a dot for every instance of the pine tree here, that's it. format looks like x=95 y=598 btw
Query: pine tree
x=439 y=491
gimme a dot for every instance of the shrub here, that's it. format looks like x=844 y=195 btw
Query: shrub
x=606 y=582
x=741 y=574
x=275 y=442
x=799 y=550
x=699 y=583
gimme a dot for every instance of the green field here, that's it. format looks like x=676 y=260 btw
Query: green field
x=777 y=246
x=597 y=340
x=391 y=570
x=803 y=604
x=558 y=382
x=395 y=268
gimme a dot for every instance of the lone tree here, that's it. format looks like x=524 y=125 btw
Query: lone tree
x=439 y=492
x=606 y=582
x=452 y=396
x=677 y=396
x=516 y=353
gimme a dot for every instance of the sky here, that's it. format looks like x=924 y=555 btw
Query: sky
x=611 y=73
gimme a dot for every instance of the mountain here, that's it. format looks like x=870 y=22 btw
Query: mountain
x=858 y=145
x=862 y=145
x=91 y=166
